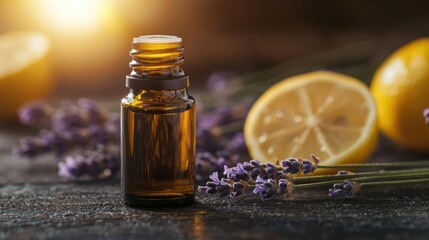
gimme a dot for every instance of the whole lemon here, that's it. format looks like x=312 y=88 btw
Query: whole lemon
x=401 y=90
x=25 y=70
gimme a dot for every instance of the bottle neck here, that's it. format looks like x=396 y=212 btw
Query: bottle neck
x=160 y=94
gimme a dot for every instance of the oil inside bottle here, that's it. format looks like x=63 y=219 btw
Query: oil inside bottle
x=158 y=155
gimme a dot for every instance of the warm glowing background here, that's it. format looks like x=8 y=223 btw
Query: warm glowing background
x=91 y=38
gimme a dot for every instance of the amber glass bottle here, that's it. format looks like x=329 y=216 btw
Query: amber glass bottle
x=157 y=126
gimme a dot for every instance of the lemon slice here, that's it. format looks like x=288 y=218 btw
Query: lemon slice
x=25 y=72
x=324 y=113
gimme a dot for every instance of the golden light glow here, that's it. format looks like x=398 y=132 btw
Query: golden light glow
x=73 y=15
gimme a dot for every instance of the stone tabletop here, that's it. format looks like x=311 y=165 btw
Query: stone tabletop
x=36 y=204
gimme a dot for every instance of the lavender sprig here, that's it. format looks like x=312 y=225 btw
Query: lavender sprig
x=84 y=125
x=268 y=179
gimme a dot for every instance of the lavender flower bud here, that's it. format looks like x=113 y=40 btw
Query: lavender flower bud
x=237 y=173
x=238 y=188
x=291 y=165
x=265 y=188
x=270 y=168
x=344 y=172
x=248 y=166
x=285 y=187
x=255 y=163
x=224 y=189
x=34 y=113
x=345 y=189
x=211 y=186
x=308 y=166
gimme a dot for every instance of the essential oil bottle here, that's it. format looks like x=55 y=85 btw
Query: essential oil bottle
x=157 y=126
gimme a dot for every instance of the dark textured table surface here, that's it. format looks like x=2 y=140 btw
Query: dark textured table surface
x=36 y=204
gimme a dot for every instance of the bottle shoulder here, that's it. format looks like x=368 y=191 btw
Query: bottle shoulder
x=157 y=103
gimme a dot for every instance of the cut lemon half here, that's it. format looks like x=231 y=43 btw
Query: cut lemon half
x=25 y=70
x=324 y=113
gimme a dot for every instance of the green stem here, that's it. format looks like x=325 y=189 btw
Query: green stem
x=257 y=88
x=411 y=164
x=353 y=59
x=361 y=180
x=382 y=183
x=348 y=54
x=319 y=178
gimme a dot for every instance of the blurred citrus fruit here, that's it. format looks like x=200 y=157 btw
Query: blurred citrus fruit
x=24 y=70
x=324 y=113
x=401 y=90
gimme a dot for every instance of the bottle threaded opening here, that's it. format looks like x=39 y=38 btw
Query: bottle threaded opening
x=157 y=39
x=157 y=60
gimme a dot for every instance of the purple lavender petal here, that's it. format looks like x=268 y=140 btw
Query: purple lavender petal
x=258 y=189
x=215 y=177
x=260 y=180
